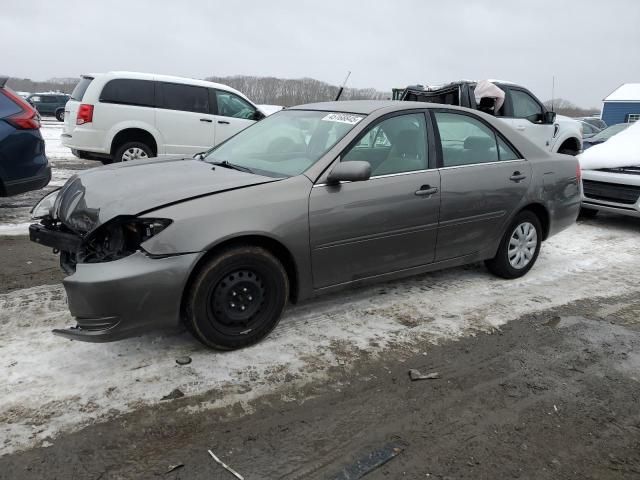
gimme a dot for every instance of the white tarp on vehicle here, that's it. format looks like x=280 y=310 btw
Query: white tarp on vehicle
x=484 y=88
x=621 y=150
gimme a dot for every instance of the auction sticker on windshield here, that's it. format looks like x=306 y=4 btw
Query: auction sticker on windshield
x=342 y=118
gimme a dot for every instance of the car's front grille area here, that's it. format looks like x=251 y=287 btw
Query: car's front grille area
x=611 y=192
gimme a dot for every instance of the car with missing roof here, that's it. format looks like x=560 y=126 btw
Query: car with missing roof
x=512 y=104
x=310 y=200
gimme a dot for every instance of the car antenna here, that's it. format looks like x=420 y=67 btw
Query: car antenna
x=553 y=95
x=342 y=87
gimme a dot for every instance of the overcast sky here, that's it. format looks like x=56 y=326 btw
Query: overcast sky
x=591 y=46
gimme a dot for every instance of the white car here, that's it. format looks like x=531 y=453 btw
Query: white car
x=123 y=116
x=611 y=174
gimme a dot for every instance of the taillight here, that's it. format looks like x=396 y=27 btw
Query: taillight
x=85 y=114
x=28 y=118
x=578 y=172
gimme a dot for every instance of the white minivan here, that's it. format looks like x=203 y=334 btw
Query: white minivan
x=122 y=116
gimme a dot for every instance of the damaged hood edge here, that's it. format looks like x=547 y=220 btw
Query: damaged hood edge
x=94 y=197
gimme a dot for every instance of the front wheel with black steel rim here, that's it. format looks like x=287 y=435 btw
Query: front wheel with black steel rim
x=519 y=247
x=236 y=298
x=60 y=114
x=131 y=151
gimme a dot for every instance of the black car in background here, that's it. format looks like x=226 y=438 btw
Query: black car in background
x=49 y=104
x=23 y=163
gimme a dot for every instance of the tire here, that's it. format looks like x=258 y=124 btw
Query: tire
x=236 y=298
x=132 y=151
x=520 y=228
x=587 y=213
x=60 y=115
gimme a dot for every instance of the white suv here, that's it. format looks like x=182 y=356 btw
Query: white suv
x=120 y=116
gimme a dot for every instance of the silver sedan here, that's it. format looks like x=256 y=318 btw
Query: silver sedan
x=310 y=200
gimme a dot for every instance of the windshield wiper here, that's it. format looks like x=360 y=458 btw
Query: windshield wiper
x=232 y=166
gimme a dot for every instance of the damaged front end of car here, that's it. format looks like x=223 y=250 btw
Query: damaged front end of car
x=115 y=289
x=72 y=229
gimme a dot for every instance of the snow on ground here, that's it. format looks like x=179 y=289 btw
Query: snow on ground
x=50 y=385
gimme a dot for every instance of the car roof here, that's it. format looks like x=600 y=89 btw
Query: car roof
x=164 y=78
x=366 y=107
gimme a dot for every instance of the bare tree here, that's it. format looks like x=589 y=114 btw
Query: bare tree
x=565 y=107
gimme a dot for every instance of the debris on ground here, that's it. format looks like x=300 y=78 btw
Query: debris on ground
x=183 y=360
x=369 y=462
x=225 y=466
x=175 y=393
x=174 y=467
x=416 y=375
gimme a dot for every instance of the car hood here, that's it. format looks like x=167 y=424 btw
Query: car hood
x=95 y=196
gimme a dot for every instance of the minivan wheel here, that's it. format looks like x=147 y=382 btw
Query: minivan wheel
x=60 y=115
x=132 y=151
x=236 y=298
x=519 y=247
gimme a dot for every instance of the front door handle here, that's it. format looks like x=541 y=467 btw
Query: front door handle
x=223 y=122
x=517 y=177
x=521 y=128
x=426 y=191
x=206 y=120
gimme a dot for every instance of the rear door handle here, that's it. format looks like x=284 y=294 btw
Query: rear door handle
x=517 y=177
x=206 y=120
x=520 y=128
x=223 y=122
x=426 y=190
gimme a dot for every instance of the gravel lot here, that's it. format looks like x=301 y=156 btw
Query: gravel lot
x=539 y=375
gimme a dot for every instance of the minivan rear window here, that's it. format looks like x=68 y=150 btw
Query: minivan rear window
x=129 y=92
x=81 y=87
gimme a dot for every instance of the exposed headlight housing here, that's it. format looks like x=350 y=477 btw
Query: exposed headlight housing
x=119 y=238
x=45 y=207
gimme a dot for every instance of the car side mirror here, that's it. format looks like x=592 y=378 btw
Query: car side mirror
x=549 y=117
x=351 y=171
x=258 y=115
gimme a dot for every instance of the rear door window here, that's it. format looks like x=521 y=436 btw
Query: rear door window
x=81 y=87
x=129 y=92
x=187 y=98
x=465 y=140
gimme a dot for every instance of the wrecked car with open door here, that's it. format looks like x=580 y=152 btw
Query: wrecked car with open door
x=512 y=104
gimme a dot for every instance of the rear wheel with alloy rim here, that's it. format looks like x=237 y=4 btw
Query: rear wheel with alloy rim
x=236 y=298
x=519 y=247
x=132 y=151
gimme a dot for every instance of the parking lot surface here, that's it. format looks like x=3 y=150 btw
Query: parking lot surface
x=537 y=376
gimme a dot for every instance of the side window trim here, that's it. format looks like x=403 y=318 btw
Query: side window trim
x=154 y=95
x=498 y=136
x=159 y=97
x=322 y=178
x=527 y=92
x=221 y=90
x=429 y=145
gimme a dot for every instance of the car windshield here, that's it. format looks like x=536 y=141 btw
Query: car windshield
x=284 y=144
x=609 y=132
